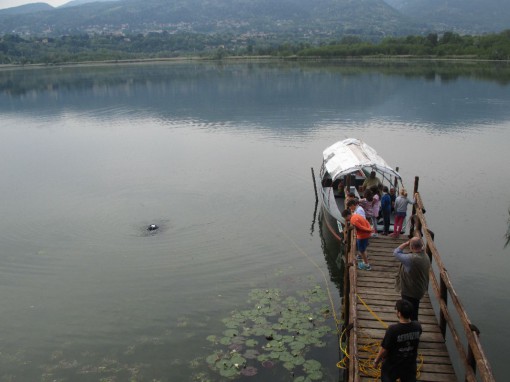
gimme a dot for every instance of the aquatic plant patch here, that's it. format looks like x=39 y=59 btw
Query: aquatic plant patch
x=278 y=331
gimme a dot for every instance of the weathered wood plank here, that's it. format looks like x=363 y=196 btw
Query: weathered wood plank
x=389 y=318
x=377 y=290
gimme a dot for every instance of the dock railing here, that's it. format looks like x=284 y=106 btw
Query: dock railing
x=474 y=362
x=349 y=307
x=472 y=356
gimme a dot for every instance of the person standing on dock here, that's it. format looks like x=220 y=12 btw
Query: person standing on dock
x=386 y=210
x=401 y=203
x=393 y=197
x=376 y=206
x=367 y=203
x=413 y=275
x=399 y=348
x=363 y=234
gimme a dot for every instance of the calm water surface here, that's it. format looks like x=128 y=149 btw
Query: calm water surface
x=219 y=156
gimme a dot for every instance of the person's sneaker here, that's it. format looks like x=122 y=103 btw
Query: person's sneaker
x=364 y=267
x=375 y=235
x=358 y=257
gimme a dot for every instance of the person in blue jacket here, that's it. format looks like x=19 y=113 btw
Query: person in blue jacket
x=386 y=210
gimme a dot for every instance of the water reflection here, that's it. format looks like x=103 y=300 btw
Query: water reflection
x=312 y=228
x=233 y=94
x=333 y=251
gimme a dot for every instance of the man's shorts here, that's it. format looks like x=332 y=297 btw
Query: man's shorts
x=362 y=244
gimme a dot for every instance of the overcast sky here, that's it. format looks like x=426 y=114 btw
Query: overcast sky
x=15 y=3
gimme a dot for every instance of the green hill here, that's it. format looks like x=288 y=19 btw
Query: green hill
x=303 y=19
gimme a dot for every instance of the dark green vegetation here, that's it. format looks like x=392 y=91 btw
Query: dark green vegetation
x=83 y=48
x=279 y=331
x=490 y=47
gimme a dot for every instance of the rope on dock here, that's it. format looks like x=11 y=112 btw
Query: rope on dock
x=371 y=348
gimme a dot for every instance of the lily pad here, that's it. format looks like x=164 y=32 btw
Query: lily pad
x=238 y=359
x=249 y=371
x=251 y=354
x=251 y=343
x=231 y=333
x=311 y=365
x=226 y=341
x=302 y=379
x=263 y=357
x=212 y=359
x=278 y=331
x=315 y=375
x=299 y=360
x=228 y=372
x=297 y=345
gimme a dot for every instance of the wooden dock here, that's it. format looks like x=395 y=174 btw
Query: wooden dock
x=369 y=307
x=376 y=298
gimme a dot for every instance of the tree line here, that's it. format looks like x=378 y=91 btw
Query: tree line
x=488 y=47
x=15 y=49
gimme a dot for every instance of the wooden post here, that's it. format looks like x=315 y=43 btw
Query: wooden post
x=429 y=252
x=347 y=287
x=443 y=293
x=416 y=183
x=315 y=186
x=346 y=308
x=415 y=191
x=470 y=356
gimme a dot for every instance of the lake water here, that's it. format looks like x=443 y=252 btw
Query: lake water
x=219 y=156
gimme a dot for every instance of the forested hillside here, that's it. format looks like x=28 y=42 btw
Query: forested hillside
x=303 y=19
x=258 y=22
x=75 y=49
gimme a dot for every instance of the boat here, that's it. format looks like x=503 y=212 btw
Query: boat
x=345 y=166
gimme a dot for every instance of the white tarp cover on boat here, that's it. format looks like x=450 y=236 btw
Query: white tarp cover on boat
x=349 y=155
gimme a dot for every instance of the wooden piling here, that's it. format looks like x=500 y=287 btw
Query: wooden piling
x=315 y=187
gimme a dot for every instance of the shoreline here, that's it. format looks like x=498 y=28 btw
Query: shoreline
x=366 y=59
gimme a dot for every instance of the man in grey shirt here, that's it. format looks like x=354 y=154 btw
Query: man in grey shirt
x=413 y=275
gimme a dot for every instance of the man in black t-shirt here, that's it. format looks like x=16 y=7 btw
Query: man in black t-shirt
x=399 y=348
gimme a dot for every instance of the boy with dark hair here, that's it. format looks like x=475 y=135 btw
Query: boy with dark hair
x=355 y=208
x=399 y=348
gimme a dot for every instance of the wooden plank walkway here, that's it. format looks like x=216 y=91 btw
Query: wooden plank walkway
x=377 y=289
